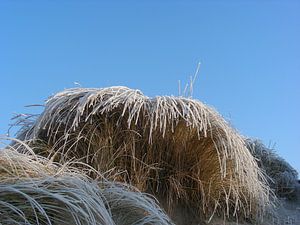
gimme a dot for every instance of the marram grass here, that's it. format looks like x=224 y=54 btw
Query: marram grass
x=176 y=148
x=34 y=190
x=282 y=176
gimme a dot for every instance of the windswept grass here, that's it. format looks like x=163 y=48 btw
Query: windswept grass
x=282 y=176
x=176 y=148
x=34 y=190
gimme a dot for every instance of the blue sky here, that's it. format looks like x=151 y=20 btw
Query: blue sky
x=249 y=53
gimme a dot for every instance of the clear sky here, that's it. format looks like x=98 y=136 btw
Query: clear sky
x=249 y=53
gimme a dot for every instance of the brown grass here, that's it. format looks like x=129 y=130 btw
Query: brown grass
x=176 y=148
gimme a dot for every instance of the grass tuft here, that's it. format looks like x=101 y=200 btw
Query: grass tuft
x=176 y=148
x=34 y=190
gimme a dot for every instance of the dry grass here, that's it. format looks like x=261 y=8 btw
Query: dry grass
x=34 y=190
x=282 y=176
x=176 y=148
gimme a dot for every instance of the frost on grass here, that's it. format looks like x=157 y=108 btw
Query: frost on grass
x=34 y=190
x=282 y=176
x=176 y=148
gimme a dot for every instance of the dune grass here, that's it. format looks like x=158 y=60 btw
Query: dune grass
x=176 y=148
x=34 y=190
x=281 y=175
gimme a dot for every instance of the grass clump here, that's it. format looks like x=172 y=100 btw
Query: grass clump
x=34 y=190
x=176 y=148
x=282 y=176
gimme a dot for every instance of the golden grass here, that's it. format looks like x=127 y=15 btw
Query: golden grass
x=176 y=148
